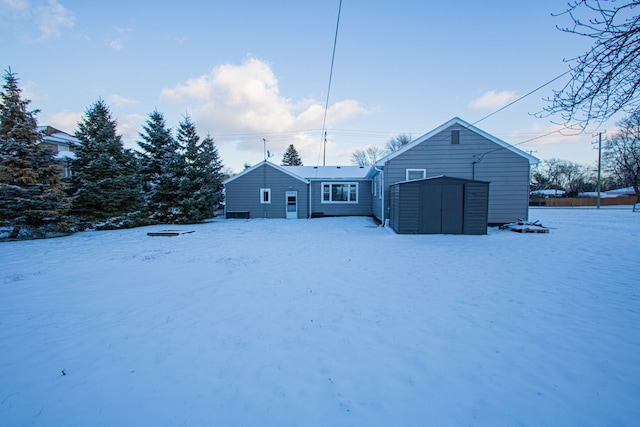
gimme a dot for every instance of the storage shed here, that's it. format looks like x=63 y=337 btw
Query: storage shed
x=439 y=205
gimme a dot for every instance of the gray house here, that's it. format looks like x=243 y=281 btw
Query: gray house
x=459 y=149
x=267 y=190
x=455 y=149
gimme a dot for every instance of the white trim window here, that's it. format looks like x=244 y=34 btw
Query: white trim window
x=265 y=195
x=413 y=174
x=339 y=192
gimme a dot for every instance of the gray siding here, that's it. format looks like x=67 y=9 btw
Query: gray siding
x=362 y=208
x=376 y=199
x=507 y=172
x=243 y=193
x=475 y=208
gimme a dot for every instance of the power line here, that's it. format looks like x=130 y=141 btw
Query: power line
x=326 y=105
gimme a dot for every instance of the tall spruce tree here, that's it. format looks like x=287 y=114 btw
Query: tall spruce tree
x=200 y=181
x=107 y=186
x=160 y=166
x=31 y=195
x=291 y=157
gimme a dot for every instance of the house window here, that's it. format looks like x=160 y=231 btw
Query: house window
x=265 y=195
x=343 y=192
x=413 y=174
x=455 y=136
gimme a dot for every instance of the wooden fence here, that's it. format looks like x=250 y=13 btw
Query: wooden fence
x=581 y=201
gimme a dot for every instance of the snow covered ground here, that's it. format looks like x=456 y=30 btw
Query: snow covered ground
x=325 y=322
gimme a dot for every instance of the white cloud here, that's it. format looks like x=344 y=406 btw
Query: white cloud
x=120 y=101
x=246 y=99
x=66 y=121
x=492 y=99
x=52 y=17
x=15 y=4
x=114 y=44
x=48 y=16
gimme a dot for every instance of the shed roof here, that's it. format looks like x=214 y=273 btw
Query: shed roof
x=458 y=121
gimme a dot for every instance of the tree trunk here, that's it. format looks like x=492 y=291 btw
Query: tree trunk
x=15 y=232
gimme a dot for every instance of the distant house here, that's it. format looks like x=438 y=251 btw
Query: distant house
x=63 y=144
x=455 y=149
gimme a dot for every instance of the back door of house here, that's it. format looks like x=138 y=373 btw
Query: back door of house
x=292 y=204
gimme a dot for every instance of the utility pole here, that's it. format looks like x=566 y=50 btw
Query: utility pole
x=324 y=154
x=599 y=166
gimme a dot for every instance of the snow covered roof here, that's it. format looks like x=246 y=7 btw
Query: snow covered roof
x=56 y=136
x=458 y=121
x=329 y=172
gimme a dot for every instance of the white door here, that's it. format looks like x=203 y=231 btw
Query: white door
x=292 y=204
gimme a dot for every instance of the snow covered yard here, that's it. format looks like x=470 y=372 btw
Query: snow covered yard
x=325 y=322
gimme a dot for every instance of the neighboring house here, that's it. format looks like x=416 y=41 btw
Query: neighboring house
x=455 y=149
x=63 y=144
x=459 y=149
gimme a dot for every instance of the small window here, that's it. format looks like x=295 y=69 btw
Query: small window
x=343 y=192
x=455 y=136
x=265 y=195
x=413 y=174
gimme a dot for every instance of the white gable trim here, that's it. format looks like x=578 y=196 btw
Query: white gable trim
x=458 y=121
x=264 y=162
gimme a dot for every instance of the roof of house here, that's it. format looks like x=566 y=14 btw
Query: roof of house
x=329 y=172
x=458 y=121
x=56 y=136
x=267 y=163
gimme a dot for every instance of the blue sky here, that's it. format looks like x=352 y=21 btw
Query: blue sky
x=245 y=70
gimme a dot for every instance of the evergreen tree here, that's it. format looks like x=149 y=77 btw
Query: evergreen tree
x=160 y=165
x=291 y=157
x=31 y=194
x=107 y=187
x=200 y=180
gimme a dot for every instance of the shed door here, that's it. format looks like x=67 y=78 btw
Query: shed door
x=452 y=209
x=292 y=204
x=430 y=221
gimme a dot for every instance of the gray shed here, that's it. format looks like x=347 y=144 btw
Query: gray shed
x=439 y=205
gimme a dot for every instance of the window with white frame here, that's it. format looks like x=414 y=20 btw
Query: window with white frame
x=413 y=174
x=339 y=192
x=265 y=195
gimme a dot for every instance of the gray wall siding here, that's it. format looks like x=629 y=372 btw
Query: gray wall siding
x=507 y=172
x=376 y=199
x=409 y=205
x=363 y=207
x=475 y=212
x=243 y=194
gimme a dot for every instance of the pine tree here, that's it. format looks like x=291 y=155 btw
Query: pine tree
x=291 y=157
x=31 y=194
x=161 y=162
x=210 y=168
x=107 y=187
x=200 y=181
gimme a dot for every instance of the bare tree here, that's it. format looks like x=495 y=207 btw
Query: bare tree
x=622 y=153
x=606 y=79
x=366 y=157
x=397 y=142
x=558 y=174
